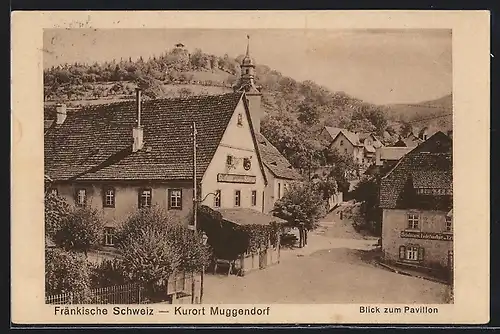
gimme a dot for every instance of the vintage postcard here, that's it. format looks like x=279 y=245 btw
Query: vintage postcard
x=268 y=167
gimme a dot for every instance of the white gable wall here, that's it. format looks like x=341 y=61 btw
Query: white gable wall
x=238 y=142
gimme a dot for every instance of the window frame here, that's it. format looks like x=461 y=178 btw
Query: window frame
x=254 y=198
x=77 y=197
x=448 y=224
x=218 y=198
x=237 y=198
x=141 y=192
x=111 y=235
x=410 y=222
x=170 y=194
x=105 y=197
x=411 y=253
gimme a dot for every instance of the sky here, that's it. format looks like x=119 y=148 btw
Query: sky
x=378 y=66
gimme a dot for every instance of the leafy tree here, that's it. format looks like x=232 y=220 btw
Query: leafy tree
x=301 y=206
x=308 y=113
x=367 y=192
x=80 y=231
x=56 y=211
x=406 y=129
x=67 y=272
x=154 y=247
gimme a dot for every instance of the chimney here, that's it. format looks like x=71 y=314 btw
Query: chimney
x=137 y=131
x=61 y=111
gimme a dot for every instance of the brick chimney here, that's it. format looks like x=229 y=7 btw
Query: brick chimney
x=137 y=131
x=62 y=113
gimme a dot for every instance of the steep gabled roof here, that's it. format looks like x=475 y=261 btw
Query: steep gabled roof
x=431 y=162
x=275 y=161
x=95 y=143
x=332 y=131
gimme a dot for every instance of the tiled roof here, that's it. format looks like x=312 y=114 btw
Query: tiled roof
x=95 y=143
x=433 y=179
x=432 y=158
x=332 y=131
x=276 y=162
x=246 y=216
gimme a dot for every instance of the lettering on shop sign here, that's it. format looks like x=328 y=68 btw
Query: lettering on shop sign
x=236 y=178
x=427 y=235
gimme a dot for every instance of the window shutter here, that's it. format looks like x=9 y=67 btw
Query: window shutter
x=139 y=198
x=103 y=195
x=402 y=250
x=180 y=199
x=420 y=253
x=169 y=199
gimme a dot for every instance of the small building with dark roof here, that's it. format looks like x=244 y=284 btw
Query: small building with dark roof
x=416 y=197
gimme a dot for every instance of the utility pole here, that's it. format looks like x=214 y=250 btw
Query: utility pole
x=195 y=188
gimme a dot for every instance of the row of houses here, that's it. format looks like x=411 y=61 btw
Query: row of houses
x=123 y=156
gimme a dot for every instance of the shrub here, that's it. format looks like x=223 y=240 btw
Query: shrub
x=108 y=273
x=67 y=272
x=80 y=230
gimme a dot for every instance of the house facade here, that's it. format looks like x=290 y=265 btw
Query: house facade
x=360 y=146
x=417 y=200
x=123 y=156
x=279 y=172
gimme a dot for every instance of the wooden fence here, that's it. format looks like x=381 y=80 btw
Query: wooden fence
x=117 y=294
x=183 y=288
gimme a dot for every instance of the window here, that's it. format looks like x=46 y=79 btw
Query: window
x=217 y=199
x=413 y=219
x=449 y=224
x=279 y=190
x=341 y=142
x=109 y=236
x=237 y=198
x=53 y=191
x=254 y=197
x=145 y=198
x=81 y=197
x=109 y=197
x=240 y=120
x=175 y=199
x=411 y=253
x=229 y=160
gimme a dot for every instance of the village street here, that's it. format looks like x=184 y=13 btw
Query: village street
x=335 y=267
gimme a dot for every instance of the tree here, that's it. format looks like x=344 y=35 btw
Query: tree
x=367 y=192
x=154 y=247
x=308 y=113
x=67 y=272
x=56 y=211
x=80 y=231
x=301 y=206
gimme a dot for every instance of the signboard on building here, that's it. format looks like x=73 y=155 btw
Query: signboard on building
x=427 y=235
x=236 y=178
